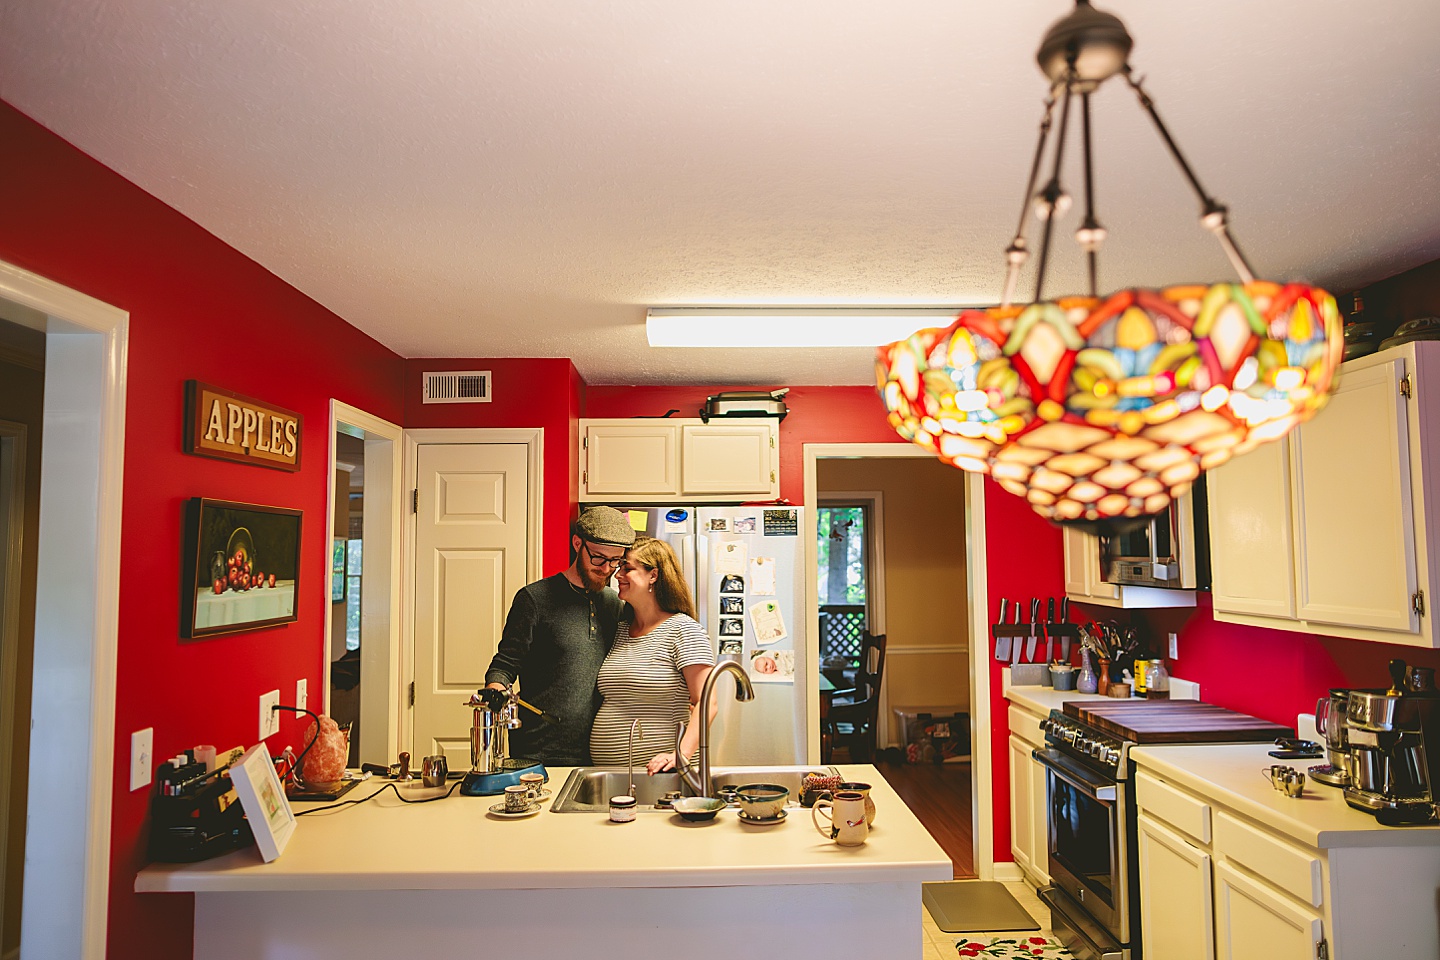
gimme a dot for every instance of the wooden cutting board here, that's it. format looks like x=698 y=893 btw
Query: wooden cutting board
x=1174 y=721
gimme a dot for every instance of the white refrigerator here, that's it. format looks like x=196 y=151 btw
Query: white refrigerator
x=745 y=567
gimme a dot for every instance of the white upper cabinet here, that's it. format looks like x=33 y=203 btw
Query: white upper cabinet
x=679 y=460
x=1329 y=531
x=1251 y=557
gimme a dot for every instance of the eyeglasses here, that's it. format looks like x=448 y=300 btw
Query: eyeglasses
x=599 y=559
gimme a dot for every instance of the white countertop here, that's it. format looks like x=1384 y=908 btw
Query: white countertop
x=1230 y=775
x=454 y=844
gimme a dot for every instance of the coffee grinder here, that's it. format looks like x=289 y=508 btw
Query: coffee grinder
x=492 y=769
x=1394 y=775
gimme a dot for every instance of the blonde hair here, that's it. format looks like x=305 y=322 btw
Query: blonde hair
x=671 y=591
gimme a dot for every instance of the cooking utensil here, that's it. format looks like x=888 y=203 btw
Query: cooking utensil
x=1049 y=620
x=1033 y=639
x=1015 y=650
x=1002 y=643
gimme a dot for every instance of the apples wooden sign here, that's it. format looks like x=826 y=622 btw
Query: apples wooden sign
x=228 y=426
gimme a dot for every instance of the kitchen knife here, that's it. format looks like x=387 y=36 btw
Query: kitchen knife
x=1065 y=637
x=1033 y=638
x=1015 y=648
x=1049 y=619
x=1002 y=644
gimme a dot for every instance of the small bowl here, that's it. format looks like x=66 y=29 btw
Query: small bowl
x=1120 y=690
x=762 y=801
x=697 y=809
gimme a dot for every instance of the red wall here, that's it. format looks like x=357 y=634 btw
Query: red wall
x=526 y=392
x=198 y=309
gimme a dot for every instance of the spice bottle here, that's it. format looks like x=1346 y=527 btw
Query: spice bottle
x=1157 y=681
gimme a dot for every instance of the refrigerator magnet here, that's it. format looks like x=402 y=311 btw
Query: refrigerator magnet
x=719 y=525
x=732 y=606
x=768 y=621
x=732 y=627
x=730 y=583
x=782 y=523
x=730 y=647
x=745 y=524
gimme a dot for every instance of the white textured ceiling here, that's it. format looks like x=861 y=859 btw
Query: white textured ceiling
x=512 y=178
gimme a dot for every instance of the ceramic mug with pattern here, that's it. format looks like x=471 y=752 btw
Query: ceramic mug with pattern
x=845 y=818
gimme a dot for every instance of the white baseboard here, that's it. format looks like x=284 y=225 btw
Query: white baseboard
x=1009 y=872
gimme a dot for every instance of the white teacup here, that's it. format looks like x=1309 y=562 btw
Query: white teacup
x=846 y=818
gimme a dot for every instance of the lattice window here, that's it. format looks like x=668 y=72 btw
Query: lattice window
x=840 y=628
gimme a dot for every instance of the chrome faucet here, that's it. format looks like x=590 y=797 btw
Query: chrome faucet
x=743 y=691
x=635 y=728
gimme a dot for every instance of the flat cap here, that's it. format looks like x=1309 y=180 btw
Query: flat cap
x=605 y=525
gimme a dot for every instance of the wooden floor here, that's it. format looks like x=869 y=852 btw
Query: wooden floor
x=939 y=796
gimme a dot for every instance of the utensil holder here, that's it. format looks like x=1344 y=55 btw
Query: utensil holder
x=1064 y=679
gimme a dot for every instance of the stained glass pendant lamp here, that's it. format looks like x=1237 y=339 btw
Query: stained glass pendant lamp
x=1101 y=410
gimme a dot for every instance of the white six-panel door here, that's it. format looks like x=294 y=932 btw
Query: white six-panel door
x=471 y=542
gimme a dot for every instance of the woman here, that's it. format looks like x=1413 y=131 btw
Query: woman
x=658 y=665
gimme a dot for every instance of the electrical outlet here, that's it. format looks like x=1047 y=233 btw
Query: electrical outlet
x=1174 y=646
x=301 y=692
x=142 y=753
x=269 y=717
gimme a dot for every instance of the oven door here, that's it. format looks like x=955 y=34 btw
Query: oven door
x=1087 y=826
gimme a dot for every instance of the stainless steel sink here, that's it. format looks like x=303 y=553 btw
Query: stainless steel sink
x=589 y=789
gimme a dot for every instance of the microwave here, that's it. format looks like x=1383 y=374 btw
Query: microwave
x=1172 y=549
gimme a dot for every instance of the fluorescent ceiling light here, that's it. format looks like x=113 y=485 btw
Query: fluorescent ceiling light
x=789 y=326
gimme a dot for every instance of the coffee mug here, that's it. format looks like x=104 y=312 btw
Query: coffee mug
x=845 y=818
x=517 y=799
x=851 y=786
x=535 y=783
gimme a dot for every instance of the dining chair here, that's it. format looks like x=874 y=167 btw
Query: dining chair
x=855 y=713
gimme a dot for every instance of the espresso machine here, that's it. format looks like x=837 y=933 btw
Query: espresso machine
x=492 y=769
x=1394 y=747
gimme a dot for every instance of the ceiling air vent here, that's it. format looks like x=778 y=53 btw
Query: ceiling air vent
x=458 y=386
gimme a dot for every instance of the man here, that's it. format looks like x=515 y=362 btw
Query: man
x=556 y=636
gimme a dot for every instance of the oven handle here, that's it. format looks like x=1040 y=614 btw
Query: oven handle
x=1097 y=788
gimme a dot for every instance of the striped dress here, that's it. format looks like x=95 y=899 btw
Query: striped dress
x=641 y=678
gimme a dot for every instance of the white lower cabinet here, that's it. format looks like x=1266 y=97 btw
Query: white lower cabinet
x=1254 y=921
x=1246 y=894
x=1177 y=916
x=1029 y=844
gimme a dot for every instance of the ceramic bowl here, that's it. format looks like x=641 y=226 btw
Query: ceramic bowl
x=762 y=801
x=697 y=809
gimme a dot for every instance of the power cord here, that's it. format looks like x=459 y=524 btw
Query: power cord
x=292 y=773
x=388 y=786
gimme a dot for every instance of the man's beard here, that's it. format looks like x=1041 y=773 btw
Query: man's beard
x=592 y=581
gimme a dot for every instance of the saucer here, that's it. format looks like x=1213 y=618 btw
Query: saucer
x=759 y=822
x=498 y=810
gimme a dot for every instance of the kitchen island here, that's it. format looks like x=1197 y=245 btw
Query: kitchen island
x=388 y=876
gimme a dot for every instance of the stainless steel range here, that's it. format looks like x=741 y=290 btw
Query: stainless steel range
x=1091 y=812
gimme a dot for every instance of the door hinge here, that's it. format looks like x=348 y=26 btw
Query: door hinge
x=1405 y=386
x=412 y=693
x=1322 y=950
x=415 y=500
x=1417 y=602
x=772 y=443
x=772 y=476
x=584 y=443
x=584 y=477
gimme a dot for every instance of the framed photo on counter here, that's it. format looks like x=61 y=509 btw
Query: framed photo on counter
x=263 y=800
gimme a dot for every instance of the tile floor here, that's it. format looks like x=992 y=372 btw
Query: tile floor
x=938 y=945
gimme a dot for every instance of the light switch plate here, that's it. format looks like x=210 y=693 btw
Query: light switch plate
x=142 y=755
x=301 y=692
x=269 y=718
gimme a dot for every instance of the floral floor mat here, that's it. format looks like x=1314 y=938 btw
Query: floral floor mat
x=1004 y=948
